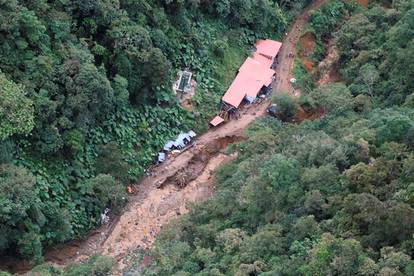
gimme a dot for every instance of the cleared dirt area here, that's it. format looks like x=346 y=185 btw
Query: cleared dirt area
x=303 y=115
x=307 y=47
x=363 y=3
x=140 y=225
x=327 y=68
x=161 y=196
x=285 y=63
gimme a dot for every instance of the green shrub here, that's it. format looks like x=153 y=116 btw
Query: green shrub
x=111 y=161
x=16 y=109
x=307 y=102
x=332 y=96
x=219 y=48
x=74 y=140
x=44 y=270
x=110 y=192
x=78 y=269
x=304 y=80
x=101 y=265
x=286 y=106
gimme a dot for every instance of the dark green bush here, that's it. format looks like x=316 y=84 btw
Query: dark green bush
x=286 y=106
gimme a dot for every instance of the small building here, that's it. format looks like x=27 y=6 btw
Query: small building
x=180 y=142
x=216 y=121
x=268 y=48
x=254 y=78
x=183 y=84
x=185 y=137
x=242 y=88
x=255 y=69
x=174 y=146
x=168 y=146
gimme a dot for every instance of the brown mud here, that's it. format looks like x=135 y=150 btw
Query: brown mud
x=363 y=3
x=307 y=44
x=328 y=70
x=302 y=115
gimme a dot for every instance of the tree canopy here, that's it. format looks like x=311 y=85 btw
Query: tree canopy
x=86 y=100
x=329 y=196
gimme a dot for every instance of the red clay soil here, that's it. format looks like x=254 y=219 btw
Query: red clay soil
x=303 y=115
x=285 y=64
x=328 y=67
x=363 y=3
x=307 y=44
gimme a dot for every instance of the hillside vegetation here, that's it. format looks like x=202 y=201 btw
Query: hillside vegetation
x=85 y=99
x=333 y=196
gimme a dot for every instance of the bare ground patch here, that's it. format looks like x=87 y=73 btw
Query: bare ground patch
x=307 y=44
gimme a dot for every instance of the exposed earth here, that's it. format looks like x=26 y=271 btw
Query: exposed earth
x=327 y=68
x=307 y=44
x=285 y=63
x=165 y=192
x=363 y=3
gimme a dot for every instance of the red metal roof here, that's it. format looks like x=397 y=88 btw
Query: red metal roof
x=262 y=59
x=257 y=71
x=242 y=86
x=236 y=92
x=253 y=74
x=253 y=85
x=216 y=121
x=269 y=48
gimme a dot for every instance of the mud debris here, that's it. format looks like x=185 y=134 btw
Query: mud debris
x=198 y=162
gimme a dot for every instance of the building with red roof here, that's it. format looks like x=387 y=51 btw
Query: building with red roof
x=254 y=75
x=268 y=62
x=268 y=48
x=255 y=69
x=242 y=86
x=216 y=121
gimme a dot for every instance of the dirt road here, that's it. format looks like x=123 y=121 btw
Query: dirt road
x=162 y=195
x=166 y=192
x=154 y=207
x=285 y=63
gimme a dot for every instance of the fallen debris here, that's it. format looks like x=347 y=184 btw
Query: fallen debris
x=161 y=157
x=105 y=217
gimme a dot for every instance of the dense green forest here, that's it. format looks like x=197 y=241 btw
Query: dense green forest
x=85 y=99
x=332 y=196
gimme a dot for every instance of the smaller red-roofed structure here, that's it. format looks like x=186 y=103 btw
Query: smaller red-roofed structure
x=216 y=121
x=268 y=48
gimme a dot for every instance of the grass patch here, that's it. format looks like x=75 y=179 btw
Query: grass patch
x=206 y=102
